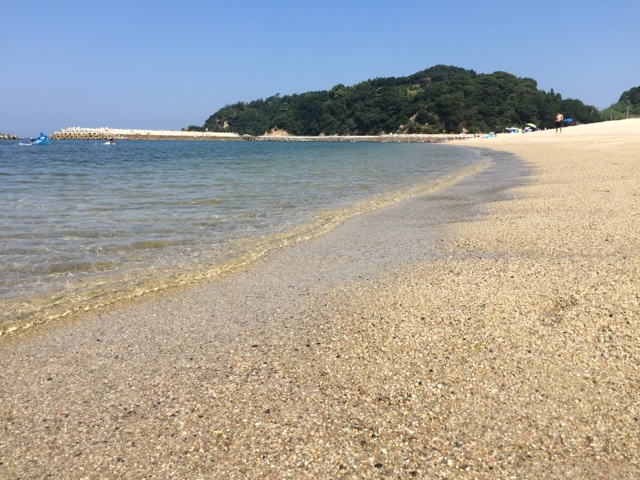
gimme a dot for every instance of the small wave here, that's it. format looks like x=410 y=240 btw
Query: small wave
x=204 y=202
x=107 y=290
x=79 y=267
x=152 y=244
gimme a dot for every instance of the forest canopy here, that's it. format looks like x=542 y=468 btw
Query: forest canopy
x=440 y=99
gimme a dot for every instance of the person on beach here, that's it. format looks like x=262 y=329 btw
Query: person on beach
x=559 y=119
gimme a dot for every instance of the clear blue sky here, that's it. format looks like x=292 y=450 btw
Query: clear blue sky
x=165 y=65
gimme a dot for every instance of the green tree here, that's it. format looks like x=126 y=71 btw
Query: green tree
x=432 y=100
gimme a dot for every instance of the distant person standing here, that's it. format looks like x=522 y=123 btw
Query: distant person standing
x=559 y=119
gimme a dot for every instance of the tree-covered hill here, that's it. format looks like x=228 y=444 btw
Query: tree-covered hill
x=439 y=99
x=627 y=106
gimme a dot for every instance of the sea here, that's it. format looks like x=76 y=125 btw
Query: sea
x=84 y=224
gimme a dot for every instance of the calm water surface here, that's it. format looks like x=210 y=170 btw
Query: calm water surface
x=83 y=224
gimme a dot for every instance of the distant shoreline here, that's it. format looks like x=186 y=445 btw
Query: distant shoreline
x=105 y=133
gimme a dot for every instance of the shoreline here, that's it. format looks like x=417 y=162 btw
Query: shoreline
x=24 y=313
x=104 y=133
x=486 y=331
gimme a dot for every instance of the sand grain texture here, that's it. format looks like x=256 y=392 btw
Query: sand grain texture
x=496 y=340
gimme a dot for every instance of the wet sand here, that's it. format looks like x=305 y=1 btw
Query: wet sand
x=487 y=331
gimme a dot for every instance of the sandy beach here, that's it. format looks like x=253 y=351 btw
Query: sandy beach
x=486 y=331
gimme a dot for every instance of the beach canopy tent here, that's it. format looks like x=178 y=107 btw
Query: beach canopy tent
x=512 y=130
x=568 y=120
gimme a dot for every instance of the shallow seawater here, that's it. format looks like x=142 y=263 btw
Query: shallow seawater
x=84 y=224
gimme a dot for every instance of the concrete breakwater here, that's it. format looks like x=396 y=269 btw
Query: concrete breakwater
x=8 y=136
x=105 y=133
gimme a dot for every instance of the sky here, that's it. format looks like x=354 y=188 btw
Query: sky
x=165 y=65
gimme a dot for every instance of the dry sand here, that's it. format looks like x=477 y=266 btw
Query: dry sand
x=495 y=336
